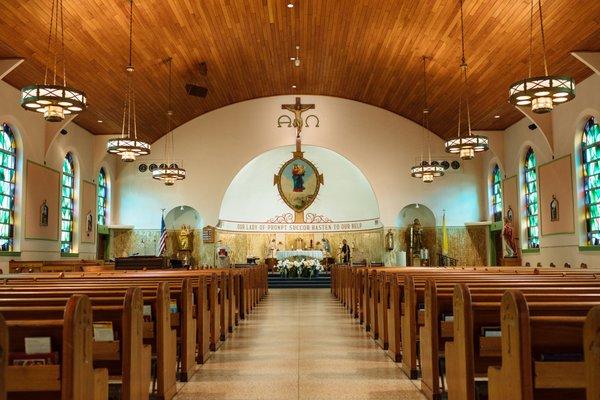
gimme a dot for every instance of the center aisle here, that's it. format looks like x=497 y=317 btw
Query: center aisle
x=299 y=344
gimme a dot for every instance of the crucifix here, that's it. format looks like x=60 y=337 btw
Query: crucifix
x=297 y=109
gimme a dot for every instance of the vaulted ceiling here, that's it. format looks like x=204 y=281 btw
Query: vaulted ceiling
x=365 y=50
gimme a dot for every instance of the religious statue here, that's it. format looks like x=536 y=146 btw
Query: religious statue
x=326 y=247
x=389 y=240
x=44 y=214
x=184 y=238
x=272 y=249
x=416 y=236
x=507 y=234
x=298 y=109
x=554 y=209
x=89 y=224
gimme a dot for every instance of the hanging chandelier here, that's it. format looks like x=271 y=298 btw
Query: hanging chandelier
x=541 y=93
x=465 y=146
x=169 y=172
x=54 y=98
x=128 y=146
x=426 y=170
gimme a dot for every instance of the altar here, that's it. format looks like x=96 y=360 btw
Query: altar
x=287 y=254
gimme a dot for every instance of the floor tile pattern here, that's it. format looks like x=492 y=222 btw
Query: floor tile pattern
x=299 y=344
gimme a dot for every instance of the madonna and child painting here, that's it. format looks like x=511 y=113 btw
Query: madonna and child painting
x=298 y=183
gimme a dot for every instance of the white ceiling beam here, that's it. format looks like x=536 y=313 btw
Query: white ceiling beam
x=8 y=64
x=589 y=58
x=52 y=129
x=543 y=123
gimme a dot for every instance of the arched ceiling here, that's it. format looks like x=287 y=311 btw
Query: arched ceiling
x=363 y=50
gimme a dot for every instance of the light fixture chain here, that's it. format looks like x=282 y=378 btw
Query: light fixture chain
x=124 y=117
x=530 y=37
x=131 y=34
x=467 y=101
x=426 y=110
x=134 y=113
x=462 y=32
x=48 y=51
x=55 y=43
x=63 y=58
x=464 y=69
x=543 y=37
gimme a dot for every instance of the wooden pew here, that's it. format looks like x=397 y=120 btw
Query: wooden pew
x=207 y=301
x=468 y=352
x=3 y=357
x=161 y=336
x=530 y=344
x=74 y=378
x=126 y=358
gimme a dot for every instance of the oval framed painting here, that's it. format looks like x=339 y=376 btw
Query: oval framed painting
x=298 y=183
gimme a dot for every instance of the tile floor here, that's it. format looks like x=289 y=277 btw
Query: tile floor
x=299 y=344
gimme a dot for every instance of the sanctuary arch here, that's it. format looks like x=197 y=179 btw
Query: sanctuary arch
x=253 y=214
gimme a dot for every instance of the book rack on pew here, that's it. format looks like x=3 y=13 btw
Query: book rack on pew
x=174 y=317
x=533 y=332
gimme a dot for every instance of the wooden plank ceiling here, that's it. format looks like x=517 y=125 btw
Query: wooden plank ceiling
x=365 y=50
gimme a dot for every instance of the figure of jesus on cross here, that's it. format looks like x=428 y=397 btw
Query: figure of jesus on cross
x=297 y=109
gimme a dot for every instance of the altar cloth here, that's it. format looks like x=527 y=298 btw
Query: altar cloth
x=285 y=254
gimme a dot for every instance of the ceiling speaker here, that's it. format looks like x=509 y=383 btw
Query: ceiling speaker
x=195 y=90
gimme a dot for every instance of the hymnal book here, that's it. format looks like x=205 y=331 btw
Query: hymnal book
x=147 y=312
x=103 y=332
x=24 y=359
x=37 y=345
x=491 y=331
x=173 y=307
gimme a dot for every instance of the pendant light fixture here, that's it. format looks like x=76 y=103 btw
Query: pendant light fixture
x=128 y=146
x=541 y=93
x=169 y=172
x=465 y=146
x=54 y=98
x=426 y=170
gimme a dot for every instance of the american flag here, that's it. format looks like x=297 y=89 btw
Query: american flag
x=162 y=243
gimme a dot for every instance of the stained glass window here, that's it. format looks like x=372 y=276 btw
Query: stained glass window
x=497 y=194
x=67 y=203
x=531 y=200
x=8 y=156
x=590 y=148
x=102 y=196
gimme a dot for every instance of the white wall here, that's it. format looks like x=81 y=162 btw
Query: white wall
x=567 y=124
x=345 y=196
x=217 y=145
x=29 y=128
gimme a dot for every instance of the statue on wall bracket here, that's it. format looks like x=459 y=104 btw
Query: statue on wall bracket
x=554 y=215
x=44 y=214
x=298 y=180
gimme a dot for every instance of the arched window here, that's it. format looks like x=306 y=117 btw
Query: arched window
x=8 y=176
x=497 y=194
x=102 y=196
x=531 y=200
x=67 y=204
x=590 y=148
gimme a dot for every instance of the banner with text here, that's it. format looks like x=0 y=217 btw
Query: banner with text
x=346 y=226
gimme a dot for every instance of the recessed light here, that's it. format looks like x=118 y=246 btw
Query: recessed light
x=290 y=5
x=293 y=86
x=100 y=121
x=497 y=116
